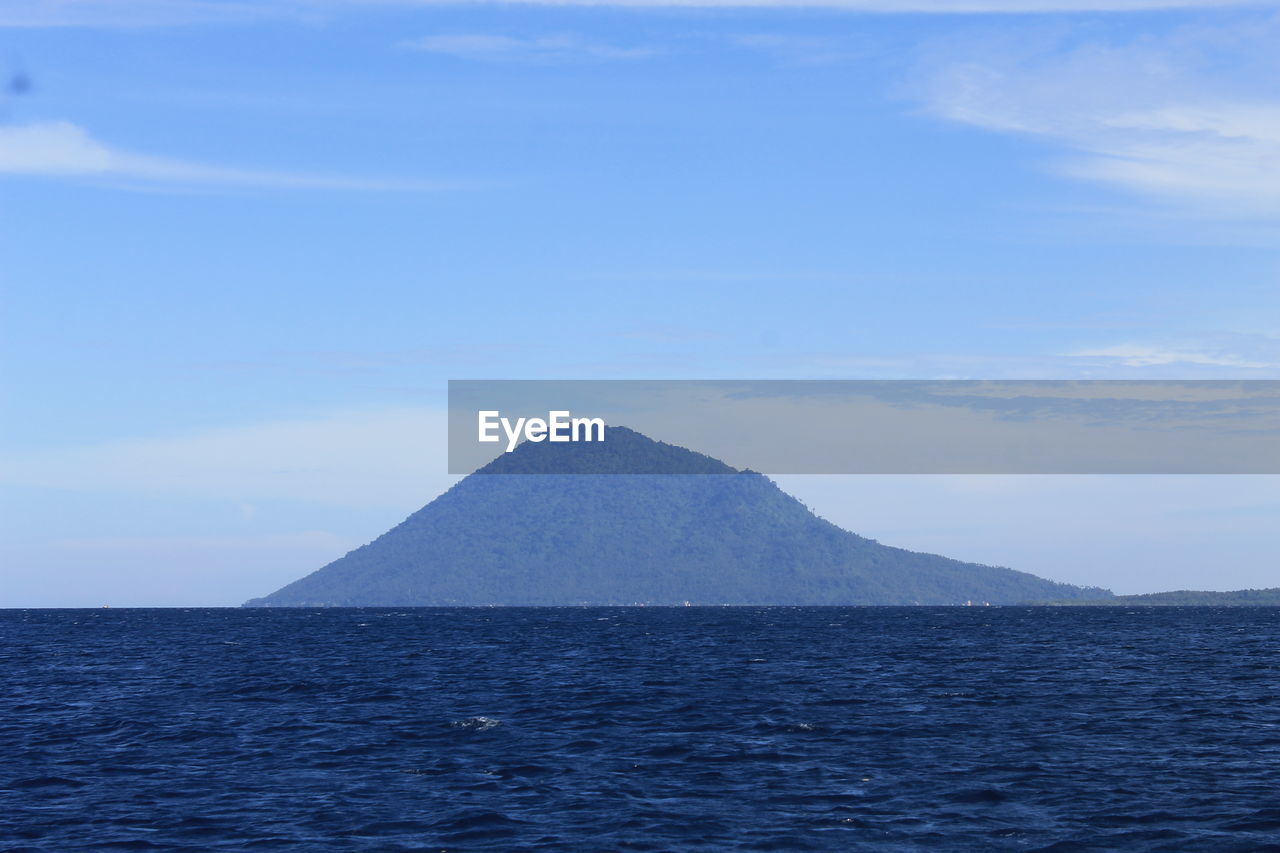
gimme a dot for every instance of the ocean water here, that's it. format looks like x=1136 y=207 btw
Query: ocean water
x=641 y=729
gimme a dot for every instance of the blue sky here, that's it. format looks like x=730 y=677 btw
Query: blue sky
x=244 y=245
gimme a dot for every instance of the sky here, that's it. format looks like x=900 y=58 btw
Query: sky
x=244 y=245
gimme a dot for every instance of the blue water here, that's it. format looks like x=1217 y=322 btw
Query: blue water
x=641 y=729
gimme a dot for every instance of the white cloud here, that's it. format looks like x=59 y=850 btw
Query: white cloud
x=160 y=571
x=360 y=465
x=1187 y=116
x=130 y=13
x=562 y=48
x=394 y=458
x=63 y=149
x=149 y=13
x=1142 y=355
x=883 y=6
x=1209 y=356
x=1131 y=533
x=798 y=50
x=878 y=6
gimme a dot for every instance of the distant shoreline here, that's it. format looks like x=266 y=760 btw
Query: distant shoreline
x=1269 y=597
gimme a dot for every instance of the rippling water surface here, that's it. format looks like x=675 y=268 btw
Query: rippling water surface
x=641 y=729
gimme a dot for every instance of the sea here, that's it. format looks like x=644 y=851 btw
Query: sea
x=641 y=728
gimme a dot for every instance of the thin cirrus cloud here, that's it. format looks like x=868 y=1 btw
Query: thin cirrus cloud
x=1254 y=352
x=799 y=50
x=557 y=49
x=1141 y=355
x=568 y=48
x=372 y=458
x=873 y=6
x=884 y=6
x=60 y=149
x=116 y=14
x=1183 y=117
x=145 y=13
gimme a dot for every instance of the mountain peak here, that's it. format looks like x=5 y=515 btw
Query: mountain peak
x=624 y=451
x=565 y=538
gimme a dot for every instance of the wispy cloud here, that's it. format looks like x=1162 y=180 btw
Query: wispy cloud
x=884 y=6
x=556 y=49
x=160 y=570
x=1238 y=351
x=388 y=457
x=1188 y=116
x=1146 y=355
x=132 y=13
x=1207 y=356
x=61 y=149
x=798 y=50
x=153 y=13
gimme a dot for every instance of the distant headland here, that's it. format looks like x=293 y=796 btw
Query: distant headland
x=1186 y=598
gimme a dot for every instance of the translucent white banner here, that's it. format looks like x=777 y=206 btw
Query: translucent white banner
x=868 y=427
